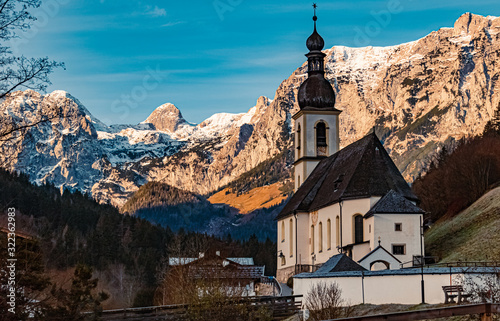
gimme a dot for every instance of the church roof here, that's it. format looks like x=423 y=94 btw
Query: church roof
x=360 y=170
x=339 y=263
x=394 y=203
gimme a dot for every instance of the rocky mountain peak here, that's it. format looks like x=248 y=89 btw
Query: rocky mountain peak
x=166 y=118
x=262 y=101
x=474 y=24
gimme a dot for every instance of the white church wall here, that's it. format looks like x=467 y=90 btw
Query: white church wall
x=370 y=224
x=351 y=208
x=325 y=214
x=285 y=239
x=409 y=236
x=299 y=152
x=398 y=289
x=360 y=250
x=304 y=252
x=287 y=244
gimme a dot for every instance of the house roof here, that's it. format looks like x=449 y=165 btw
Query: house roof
x=379 y=248
x=394 y=203
x=186 y=260
x=338 y=263
x=217 y=267
x=362 y=169
x=253 y=272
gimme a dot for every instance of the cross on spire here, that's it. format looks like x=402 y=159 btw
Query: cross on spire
x=314 y=17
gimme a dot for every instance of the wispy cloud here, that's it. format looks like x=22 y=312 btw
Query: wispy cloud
x=155 y=11
x=172 y=23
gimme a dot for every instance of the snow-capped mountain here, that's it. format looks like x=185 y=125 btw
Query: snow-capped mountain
x=419 y=96
x=75 y=150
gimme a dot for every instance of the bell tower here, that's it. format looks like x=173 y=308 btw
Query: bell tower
x=317 y=121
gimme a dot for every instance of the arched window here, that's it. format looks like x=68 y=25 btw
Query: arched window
x=291 y=238
x=312 y=239
x=299 y=140
x=329 y=234
x=358 y=229
x=321 y=144
x=283 y=231
x=320 y=237
x=298 y=182
x=283 y=260
x=337 y=231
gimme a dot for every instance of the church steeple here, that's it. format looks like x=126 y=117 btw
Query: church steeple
x=316 y=91
x=317 y=123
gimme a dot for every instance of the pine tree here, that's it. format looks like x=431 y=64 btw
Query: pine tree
x=493 y=126
x=72 y=303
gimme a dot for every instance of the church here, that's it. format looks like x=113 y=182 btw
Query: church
x=351 y=201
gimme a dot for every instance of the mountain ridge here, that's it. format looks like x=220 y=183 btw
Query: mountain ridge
x=420 y=96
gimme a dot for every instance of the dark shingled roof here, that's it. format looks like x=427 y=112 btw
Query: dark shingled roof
x=362 y=169
x=339 y=263
x=393 y=203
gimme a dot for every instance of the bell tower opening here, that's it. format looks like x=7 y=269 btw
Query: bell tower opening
x=321 y=144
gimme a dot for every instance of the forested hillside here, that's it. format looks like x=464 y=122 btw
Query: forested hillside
x=174 y=209
x=457 y=179
x=127 y=253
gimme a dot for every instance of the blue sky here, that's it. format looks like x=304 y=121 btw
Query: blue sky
x=125 y=58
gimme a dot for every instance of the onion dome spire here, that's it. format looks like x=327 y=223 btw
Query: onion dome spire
x=315 y=42
x=316 y=91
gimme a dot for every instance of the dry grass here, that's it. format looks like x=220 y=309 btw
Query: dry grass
x=260 y=197
x=472 y=235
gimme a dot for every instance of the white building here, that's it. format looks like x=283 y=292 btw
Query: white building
x=401 y=286
x=353 y=201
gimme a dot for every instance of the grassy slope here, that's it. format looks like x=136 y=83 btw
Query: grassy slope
x=472 y=235
x=256 y=198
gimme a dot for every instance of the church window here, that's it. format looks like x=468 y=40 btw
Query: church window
x=398 y=249
x=283 y=231
x=291 y=238
x=283 y=260
x=369 y=228
x=320 y=237
x=358 y=229
x=312 y=239
x=321 y=144
x=337 y=231
x=298 y=181
x=398 y=227
x=299 y=138
x=329 y=234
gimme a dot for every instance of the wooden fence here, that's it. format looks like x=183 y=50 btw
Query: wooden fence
x=281 y=307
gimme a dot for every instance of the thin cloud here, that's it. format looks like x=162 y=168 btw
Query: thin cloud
x=155 y=11
x=172 y=23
